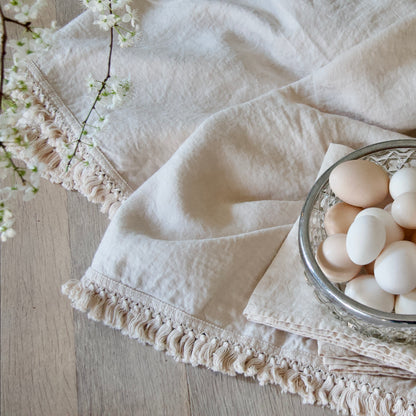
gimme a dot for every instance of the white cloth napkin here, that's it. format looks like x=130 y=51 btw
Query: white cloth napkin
x=283 y=300
x=233 y=107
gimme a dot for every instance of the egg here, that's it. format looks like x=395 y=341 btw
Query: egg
x=385 y=202
x=339 y=217
x=388 y=207
x=406 y=304
x=333 y=260
x=403 y=210
x=395 y=268
x=412 y=236
x=359 y=182
x=402 y=181
x=364 y=289
x=393 y=231
x=369 y=268
x=366 y=238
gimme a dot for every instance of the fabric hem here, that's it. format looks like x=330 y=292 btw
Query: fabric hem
x=50 y=136
x=187 y=342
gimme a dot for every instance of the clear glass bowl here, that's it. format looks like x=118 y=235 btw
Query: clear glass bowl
x=390 y=327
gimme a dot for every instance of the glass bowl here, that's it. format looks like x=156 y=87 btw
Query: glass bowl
x=390 y=327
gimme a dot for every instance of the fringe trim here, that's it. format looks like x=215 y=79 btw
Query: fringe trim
x=184 y=344
x=49 y=134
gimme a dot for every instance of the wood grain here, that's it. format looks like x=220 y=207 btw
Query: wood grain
x=37 y=332
x=57 y=362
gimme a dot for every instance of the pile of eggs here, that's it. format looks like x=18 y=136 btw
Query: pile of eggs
x=371 y=235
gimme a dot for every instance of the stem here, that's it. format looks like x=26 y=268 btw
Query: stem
x=97 y=97
x=16 y=22
x=2 y=58
x=15 y=168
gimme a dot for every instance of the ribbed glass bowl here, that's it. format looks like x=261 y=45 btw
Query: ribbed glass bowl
x=390 y=327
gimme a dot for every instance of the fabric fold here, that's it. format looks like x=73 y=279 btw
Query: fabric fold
x=204 y=171
x=273 y=303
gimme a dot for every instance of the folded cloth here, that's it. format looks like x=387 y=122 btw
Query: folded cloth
x=232 y=109
x=340 y=359
x=283 y=300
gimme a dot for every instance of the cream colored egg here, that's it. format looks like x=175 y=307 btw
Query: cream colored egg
x=364 y=289
x=359 y=182
x=406 y=304
x=393 y=231
x=339 y=217
x=402 y=181
x=403 y=210
x=385 y=202
x=395 y=268
x=365 y=239
x=333 y=260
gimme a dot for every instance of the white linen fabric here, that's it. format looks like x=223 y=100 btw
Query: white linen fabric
x=233 y=106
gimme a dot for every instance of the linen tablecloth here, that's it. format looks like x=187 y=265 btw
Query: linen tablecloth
x=204 y=171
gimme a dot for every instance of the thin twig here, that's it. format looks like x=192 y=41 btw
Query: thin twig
x=14 y=166
x=3 y=56
x=16 y=22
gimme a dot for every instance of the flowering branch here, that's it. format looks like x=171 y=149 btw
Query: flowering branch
x=13 y=128
x=110 y=86
x=16 y=100
x=27 y=25
x=97 y=97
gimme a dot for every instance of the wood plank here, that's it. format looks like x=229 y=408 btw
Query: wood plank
x=67 y=10
x=215 y=394
x=115 y=374
x=37 y=341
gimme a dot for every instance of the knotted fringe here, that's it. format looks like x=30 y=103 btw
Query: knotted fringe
x=185 y=344
x=48 y=138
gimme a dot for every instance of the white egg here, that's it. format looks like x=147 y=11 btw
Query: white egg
x=403 y=210
x=364 y=289
x=393 y=231
x=395 y=268
x=404 y=180
x=365 y=239
x=406 y=304
x=388 y=207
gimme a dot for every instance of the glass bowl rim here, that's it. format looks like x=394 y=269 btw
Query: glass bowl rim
x=313 y=272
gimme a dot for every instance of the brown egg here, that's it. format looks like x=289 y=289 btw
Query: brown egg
x=333 y=259
x=369 y=268
x=359 y=182
x=339 y=217
x=412 y=236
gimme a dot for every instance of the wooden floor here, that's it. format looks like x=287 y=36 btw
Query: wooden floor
x=54 y=361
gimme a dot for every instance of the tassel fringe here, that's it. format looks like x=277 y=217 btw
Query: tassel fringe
x=186 y=345
x=48 y=136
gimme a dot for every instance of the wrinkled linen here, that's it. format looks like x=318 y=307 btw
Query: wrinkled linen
x=205 y=168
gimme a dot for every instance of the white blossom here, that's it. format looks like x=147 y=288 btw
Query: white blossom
x=127 y=39
x=24 y=12
x=107 y=21
x=6 y=222
x=131 y=17
x=97 y=5
x=119 y=4
x=6 y=234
